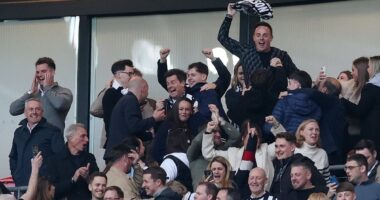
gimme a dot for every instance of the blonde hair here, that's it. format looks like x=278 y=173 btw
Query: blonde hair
x=301 y=127
x=375 y=62
x=226 y=182
x=235 y=81
x=318 y=196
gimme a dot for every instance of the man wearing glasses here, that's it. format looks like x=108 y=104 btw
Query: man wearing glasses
x=356 y=169
x=122 y=71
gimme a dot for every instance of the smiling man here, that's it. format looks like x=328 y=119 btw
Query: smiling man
x=97 y=185
x=256 y=182
x=56 y=100
x=34 y=135
x=70 y=168
x=285 y=157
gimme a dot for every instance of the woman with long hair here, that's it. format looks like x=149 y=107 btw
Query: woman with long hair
x=368 y=109
x=220 y=172
x=177 y=118
x=309 y=145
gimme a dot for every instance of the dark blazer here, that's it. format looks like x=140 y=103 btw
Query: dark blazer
x=110 y=99
x=168 y=194
x=62 y=167
x=45 y=136
x=126 y=120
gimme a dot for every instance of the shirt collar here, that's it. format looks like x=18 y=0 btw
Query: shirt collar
x=116 y=85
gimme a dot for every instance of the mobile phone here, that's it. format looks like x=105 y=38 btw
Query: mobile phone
x=334 y=180
x=208 y=174
x=323 y=69
x=35 y=150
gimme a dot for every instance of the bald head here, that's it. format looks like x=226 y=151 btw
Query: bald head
x=330 y=86
x=139 y=87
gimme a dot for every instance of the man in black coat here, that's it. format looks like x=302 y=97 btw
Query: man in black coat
x=70 y=168
x=126 y=119
x=34 y=135
x=285 y=157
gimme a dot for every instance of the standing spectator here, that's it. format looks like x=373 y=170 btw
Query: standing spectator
x=206 y=191
x=368 y=149
x=285 y=147
x=219 y=172
x=122 y=159
x=333 y=131
x=70 y=168
x=296 y=106
x=345 y=75
x=34 y=134
x=56 y=100
x=309 y=145
x=97 y=185
x=177 y=118
x=368 y=109
x=126 y=119
x=122 y=71
x=154 y=180
x=113 y=193
x=356 y=168
x=260 y=54
x=257 y=180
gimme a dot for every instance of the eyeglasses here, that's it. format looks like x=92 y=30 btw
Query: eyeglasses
x=350 y=167
x=128 y=73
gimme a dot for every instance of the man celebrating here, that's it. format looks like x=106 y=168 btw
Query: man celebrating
x=154 y=179
x=34 y=134
x=56 y=100
x=256 y=181
x=70 y=168
x=97 y=185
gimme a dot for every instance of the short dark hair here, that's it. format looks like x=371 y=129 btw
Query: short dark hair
x=115 y=188
x=232 y=194
x=119 y=151
x=365 y=144
x=181 y=75
x=211 y=189
x=46 y=60
x=120 y=65
x=290 y=137
x=263 y=24
x=199 y=67
x=156 y=173
x=303 y=78
x=360 y=159
x=345 y=186
x=300 y=163
x=96 y=174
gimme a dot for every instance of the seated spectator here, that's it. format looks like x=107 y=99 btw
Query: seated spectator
x=181 y=190
x=113 y=193
x=206 y=191
x=309 y=145
x=356 y=168
x=318 y=196
x=97 y=185
x=368 y=109
x=175 y=163
x=122 y=159
x=284 y=149
x=219 y=172
x=368 y=150
x=301 y=181
x=345 y=191
x=69 y=169
x=198 y=163
x=227 y=194
x=177 y=118
x=34 y=134
x=257 y=180
x=296 y=106
x=154 y=184
x=344 y=75
x=241 y=156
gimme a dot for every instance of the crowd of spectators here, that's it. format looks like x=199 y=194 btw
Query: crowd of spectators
x=277 y=140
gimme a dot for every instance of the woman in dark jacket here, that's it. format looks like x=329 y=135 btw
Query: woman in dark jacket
x=177 y=118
